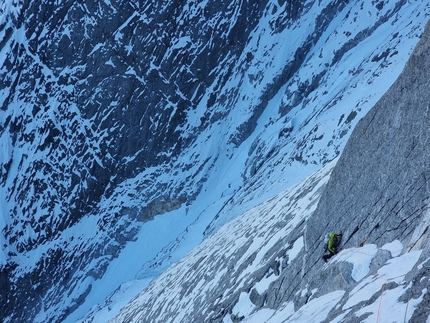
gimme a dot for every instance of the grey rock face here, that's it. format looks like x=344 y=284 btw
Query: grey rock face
x=379 y=189
x=381 y=180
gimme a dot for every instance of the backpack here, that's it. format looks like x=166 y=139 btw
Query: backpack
x=326 y=240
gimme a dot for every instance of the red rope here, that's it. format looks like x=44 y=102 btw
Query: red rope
x=380 y=299
x=361 y=244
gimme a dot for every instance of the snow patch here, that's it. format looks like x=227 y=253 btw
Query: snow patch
x=316 y=310
x=297 y=247
x=394 y=247
x=360 y=258
x=264 y=284
x=244 y=306
x=394 y=271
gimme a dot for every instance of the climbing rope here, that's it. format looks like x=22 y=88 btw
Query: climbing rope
x=386 y=280
x=382 y=292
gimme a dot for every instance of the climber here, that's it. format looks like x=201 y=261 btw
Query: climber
x=332 y=241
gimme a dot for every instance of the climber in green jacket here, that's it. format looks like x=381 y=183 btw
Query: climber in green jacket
x=332 y=242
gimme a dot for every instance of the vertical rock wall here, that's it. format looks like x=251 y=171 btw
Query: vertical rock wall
x=380 y=188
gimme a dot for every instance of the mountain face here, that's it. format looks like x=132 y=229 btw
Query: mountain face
x=266 y=266
x=146 y=126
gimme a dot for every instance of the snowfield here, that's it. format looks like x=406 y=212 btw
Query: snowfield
x=229 y=259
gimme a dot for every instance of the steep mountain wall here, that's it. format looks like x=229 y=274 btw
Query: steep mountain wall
x=114 y=113
x=266 y=266
x=235 y=264
x=379 y=190
x=92 y=94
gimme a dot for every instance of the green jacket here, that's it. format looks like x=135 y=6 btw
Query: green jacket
x=332 y=242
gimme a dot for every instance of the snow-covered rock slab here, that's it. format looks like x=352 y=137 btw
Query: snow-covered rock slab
x=235 y=265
